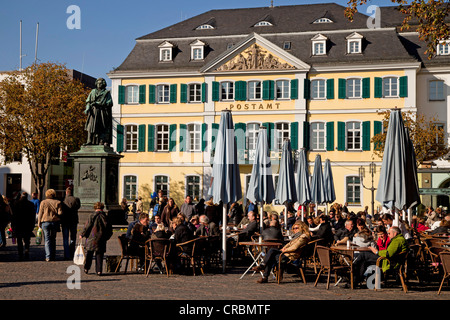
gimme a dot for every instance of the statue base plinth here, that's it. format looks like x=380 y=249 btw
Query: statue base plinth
x=96 y=172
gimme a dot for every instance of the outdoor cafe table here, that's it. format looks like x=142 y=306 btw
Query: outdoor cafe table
x=350 y=252
x=259 y=245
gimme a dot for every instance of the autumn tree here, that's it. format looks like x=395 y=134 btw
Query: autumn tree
x=427 y=137
x=41 y=111
x=428 y=17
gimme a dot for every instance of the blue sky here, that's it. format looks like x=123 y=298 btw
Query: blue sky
x=108 y=28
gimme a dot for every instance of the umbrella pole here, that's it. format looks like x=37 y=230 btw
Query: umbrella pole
x=261 y=222
x=285 y=218
x=224 y=237
x=303 y=214
x=316 y=209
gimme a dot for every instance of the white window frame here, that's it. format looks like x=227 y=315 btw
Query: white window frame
x=318 y=81
x=129 y=196
x=282 y=89
x=161 y=97
x=263 y=24
x=228 y=95
x=187 y=186
x=281 y=133
x=197 y=50
x=353 y=136
x=319 y=40
x=252 y=135
x=321 y=135
x=131 y=137
x=443 y=48
x=252 y=90
x=194 y=137
x=164 y=136
x=323 y=20
x=354 y=43
x=204 y=27
x=156 y=188
x=393 y=80
x=436 y=90
x=194 y=92
x=351 y=94
x=132 y=91
x=354 y=186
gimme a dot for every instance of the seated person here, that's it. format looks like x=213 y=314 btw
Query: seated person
x=290 y=220
x=444 y=227
x=181 y=233
x=300 y=238
x=342 y=235
x=365 y=259
x=273 y=232
x=206 y=228
x=310 y=222
x=324 y=231
x=160 y=232
x=383 y=239
x=250 y=228
x=139 y=234
x=157 y=220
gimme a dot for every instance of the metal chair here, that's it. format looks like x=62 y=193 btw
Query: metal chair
x=325 y=259
x=192 y=251
x=123 y=242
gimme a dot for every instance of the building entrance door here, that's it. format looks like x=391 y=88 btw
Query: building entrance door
x=13 y=184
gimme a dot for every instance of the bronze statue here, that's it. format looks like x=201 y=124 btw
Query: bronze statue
x=99 y=115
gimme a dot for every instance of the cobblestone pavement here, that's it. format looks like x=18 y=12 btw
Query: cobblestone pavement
x=39 y=280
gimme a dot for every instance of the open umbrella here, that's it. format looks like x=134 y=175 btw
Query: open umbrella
x=398 y=187
x=303 y=180
x=226 y=182
x=317 y=183
x=286 y=191
x=329 y=183
x=260 y=188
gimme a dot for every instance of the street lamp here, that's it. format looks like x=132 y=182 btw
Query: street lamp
x=362 y=174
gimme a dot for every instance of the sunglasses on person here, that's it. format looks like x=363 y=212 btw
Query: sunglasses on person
x=295 y=228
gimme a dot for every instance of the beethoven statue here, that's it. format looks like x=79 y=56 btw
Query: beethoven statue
x=99 y=118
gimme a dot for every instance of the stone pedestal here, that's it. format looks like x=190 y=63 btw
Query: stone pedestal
x=96 y=173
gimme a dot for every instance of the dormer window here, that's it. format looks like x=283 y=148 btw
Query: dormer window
x=165 y=51
x=443 y=48
x=197 y=50
x=319 y=45
x=204 y=26
x=354 y=43
x=323 y=20
x=263 y=24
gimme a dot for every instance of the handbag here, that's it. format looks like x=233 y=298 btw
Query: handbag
x=79 y=256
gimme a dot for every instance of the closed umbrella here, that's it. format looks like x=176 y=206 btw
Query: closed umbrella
x=226 y=182
x=260 y=188
x=286 y=190
x=329 y=183
x=317 y=183
x=398 y=187
x=303 y=180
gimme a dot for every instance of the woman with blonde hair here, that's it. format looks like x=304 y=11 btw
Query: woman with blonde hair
x=50 y=211
x=290 y=251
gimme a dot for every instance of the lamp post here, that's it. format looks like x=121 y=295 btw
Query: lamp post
x=372 y=170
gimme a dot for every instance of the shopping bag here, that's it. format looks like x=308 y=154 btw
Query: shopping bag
x=39 y=236
x=79 y=256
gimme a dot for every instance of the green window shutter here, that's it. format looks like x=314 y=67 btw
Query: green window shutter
x=121 y=94
x=204 y=92
x=173 y=93
x=215 y=91
x=377 y=129
x=141 y=135
x=173 y=137
x=342 y=84
x=270 y=134
x=330 y=136
x=294 y=135
x=268 y=89
x=378 y=92
x=142 y=94
x=151 y=138
x=183 y=137
x=366 y=136
x=307 y=89
x=330 y=89
x=204 y=136
x=306 y=142
x=151 y=93
x=403 y=87
x=183 y=93
x=119 y=146
x=239 y=132
x=341 y=136
x=366 y=88
x=241 y=90
x=214 y=131
x=294 y=89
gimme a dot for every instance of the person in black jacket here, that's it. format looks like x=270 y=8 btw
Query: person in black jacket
x=273 y=232
x=324 y=231
x=69 y=223
x=23 y=222
x=250 y=229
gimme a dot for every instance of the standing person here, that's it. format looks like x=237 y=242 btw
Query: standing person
x=169 y=212
x=188 y=208
x=69 y=223
x=35 y=200
x=5 y=218
x=139 y=207
x=23 y=221
x=50 y=211
x=97 y=232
